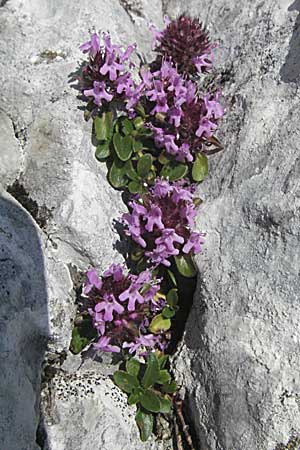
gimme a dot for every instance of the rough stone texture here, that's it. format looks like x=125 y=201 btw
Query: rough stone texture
x=23 y=325
x=9 y=150
x=46 y=145
x=71 y=405
x=240 y=358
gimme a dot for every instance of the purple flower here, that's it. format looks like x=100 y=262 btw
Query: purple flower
x=194 y=243
x=168 y=238
x=98 y=320
x=154 y=219
x=99 y=93
x=133 y=295
x=206 y=128
x=180 y=193
x=92 y=46
x=109 y=305
x=114 y=270
x=162 y=188
x=128 y=52
x=213 y=107
x=104 y=345
x=148 y=340
x=203 y=62
x=111 y=67
x=93 y=281
x=159 y=255
x=124 y=83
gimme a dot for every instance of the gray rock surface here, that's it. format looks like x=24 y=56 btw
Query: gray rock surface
x=23 y=324
x=239 y=361
x=46 y=146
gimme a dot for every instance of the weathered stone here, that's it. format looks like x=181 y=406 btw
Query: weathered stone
x=23 y=325
x=84 y=410
x=240 y=358
x=9 y=151
x=66 y=191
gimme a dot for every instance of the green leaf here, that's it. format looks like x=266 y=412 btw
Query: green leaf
x=150 y=401
x=136 y=395
x=117 y=174
x=145 y=424
x=103 y=126
x=200 y=168
x=174 y=171
x=159 y=323
x=78 y=342
x=123 y=146
x=135 y=187
x=130 y=171
x=162 y=360
x=164 y=377
x=144 y=165
x=125 y=381
x=170 y=387
x=138 y=122
x=152 y=371
x=137 y=145
x=163 y=159
x=172 y=297
x=133 y=366
x=165 y=405
x=186 y=266
x=127 y=126
x=102 y=151
x=172 y=277
x=168 y=312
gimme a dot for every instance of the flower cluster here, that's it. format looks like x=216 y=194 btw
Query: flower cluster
x=161 y=222
x=104 y=77
x=122 y=307
x=186 y=42
x=181 y=119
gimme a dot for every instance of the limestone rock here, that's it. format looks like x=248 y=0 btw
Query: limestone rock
x=48 y=162
x=9 y=151
x=23 y=325
x=240 y=359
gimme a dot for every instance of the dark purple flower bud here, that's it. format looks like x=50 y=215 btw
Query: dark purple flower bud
x=186 y=43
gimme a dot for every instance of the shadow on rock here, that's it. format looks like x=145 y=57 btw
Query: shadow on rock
x=23 y=325
x=290 y=71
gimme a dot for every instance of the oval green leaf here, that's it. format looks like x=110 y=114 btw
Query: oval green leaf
x=150 y=401
x=127 y=126
x=174 y=171
x=172 y=297
x=152 y=371
x=123 y=146
x=117 y=174
x=159 y=323
x=102 y=151
x=130 y=171
x=125 y=381
x=103 y=126
x=200 y=168
x=170 y=388
x=168 y=312
x=186 y=266
x=137 y=145
x=144 y=165
x=133 y=366
x=165 y=405
x=164 y=377
x=145 y=424
x=134 y=187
